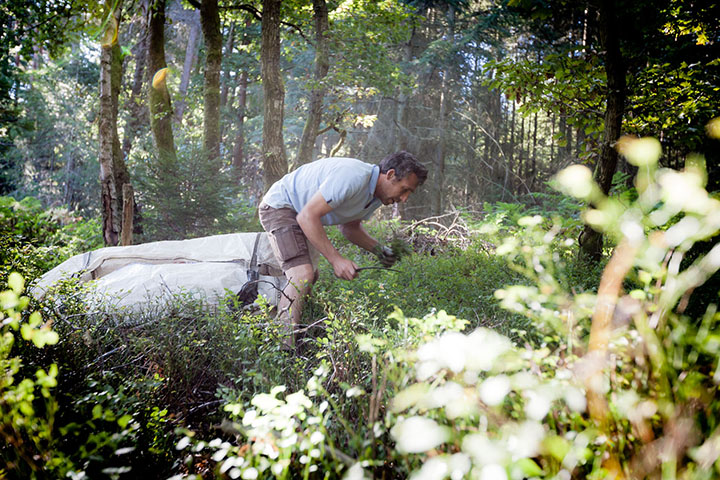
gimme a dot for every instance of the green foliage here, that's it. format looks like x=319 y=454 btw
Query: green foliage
x=190 y=198
x=53 y=149
x=688 y=101
x=33 y=239
x=27 y=406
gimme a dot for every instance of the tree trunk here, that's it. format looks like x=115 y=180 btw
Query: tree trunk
x=317 y=92
x=137 y=111
x=159 y=96
x=210 y=19
x=591 y=241
x=552 y=138
x=511 y=152
x=113 y=173
x=239 y=147
x=401 y=138
x=274 y=157
x=438 y=186
x=126 y=237
x=229 y=44
x=191 y=51
x=533 y=167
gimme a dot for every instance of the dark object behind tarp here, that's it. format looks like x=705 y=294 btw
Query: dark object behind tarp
x=249 y=291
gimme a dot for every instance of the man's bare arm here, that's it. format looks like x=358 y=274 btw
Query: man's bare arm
x=309 y=219
x=356 y=234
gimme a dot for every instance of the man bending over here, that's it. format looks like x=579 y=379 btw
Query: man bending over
x=331 y=191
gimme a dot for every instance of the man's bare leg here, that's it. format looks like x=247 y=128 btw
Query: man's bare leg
x=300 y=281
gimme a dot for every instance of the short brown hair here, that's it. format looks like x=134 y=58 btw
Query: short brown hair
x=404 y=163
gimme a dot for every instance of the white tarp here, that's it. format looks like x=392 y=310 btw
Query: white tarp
x=206 y=266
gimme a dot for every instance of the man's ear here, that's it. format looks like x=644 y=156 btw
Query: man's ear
x=390 y=174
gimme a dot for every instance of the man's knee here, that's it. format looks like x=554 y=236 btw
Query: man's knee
x=302 y=275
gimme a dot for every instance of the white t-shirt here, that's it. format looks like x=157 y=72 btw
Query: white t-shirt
x=346 y=184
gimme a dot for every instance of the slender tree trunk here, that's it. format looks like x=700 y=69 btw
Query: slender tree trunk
x=137 y=111
x=511 y=153
x=159 y=96
x=591 y=241
x=322 y=65
x=191 y=51
x=229 y=44
x=210 y=20
x=438 y=186
x=113 y=173
x=274 y=157
x=239 y=147
x=521 y=152
x=401 y=122
x=533 y=168
x=552 y=138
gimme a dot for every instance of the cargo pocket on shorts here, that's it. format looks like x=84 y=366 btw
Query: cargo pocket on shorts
x=291 y=242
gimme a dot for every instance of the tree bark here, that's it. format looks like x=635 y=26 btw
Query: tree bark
x=591 y=241
x=113 y=172
x=239 y=146
x=210 y=20
x=137 y=111
x=159 y=96
x=533 y=164
x=229 y=44
x=128 y=211
x=191 y=51
x=438 y=186
x=322 y=66
x=274 y=156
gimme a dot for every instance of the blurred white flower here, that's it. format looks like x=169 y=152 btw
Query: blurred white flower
x=418 y=434
x=355 y=472
x=575 y=180
x=440 y=396
x=575 y=399
x=250 y=474
x=316 y=438
x=484 y=347
x=523 y=441
x=452 y=347
x=483 y=450
x=459 y=465
x=537 y=405
x=435 y=468
x=523 y=381
x=354 y=391
x=426 y=369
x=465 y=405
x=410 y=396
x=494 y=389
x=265 y=402
x=639 y=151
x=493 y=472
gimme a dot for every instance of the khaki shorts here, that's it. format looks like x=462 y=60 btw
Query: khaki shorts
x=289 y=243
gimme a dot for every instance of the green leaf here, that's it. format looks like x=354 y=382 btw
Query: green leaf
x=16 y=282
x=529 y=467
x=556 y=446
x=8 y=300
x=124 y=420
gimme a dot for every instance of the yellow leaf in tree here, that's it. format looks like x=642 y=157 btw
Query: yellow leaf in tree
x=158 y=81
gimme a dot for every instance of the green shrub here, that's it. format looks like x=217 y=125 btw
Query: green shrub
x=626 y=384
x=34 y=239
x=27 y=406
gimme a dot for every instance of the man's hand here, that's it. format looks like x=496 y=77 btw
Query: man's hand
x=385 y=254
x=345 y=269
